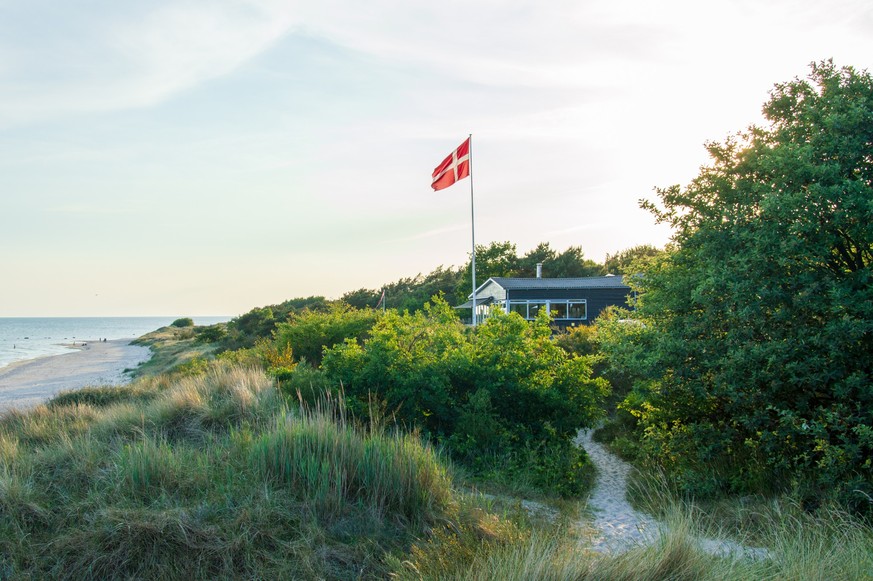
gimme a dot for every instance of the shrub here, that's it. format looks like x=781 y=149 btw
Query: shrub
x=755 y=347
x=183 y=322
x=212 y=333
x=308 y=333
x=504 y=387
x=306 y=384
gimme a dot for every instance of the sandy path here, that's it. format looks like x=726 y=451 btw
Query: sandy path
x=27 y=383
x=618 y=526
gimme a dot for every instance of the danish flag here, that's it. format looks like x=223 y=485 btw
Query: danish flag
x=453 y=168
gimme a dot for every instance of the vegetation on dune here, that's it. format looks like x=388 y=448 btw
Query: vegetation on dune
x=325 y=439
x=502 y=398
x=307 y=334
x=754 y=350
x=412 y=293
x=181 y=349
x=211 y=476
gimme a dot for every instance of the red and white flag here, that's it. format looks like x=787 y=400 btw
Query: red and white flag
x=453 y=168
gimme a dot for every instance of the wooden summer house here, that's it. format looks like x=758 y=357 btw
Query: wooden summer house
x=571 y=301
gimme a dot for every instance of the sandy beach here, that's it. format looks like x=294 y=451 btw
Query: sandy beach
x=28 y=383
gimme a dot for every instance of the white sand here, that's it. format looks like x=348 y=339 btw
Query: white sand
x=618 y=527
x=28 y=383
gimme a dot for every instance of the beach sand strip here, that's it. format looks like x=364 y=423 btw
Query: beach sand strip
x=25 y=384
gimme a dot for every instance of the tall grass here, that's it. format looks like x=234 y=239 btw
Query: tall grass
x=827 y=545
x=207 y=477
x=339 y=463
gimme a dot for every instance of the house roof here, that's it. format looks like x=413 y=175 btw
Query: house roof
x=559 y=283
x=511 y=283
x=469 y=304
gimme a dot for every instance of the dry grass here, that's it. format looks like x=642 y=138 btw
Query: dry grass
x=207 y=477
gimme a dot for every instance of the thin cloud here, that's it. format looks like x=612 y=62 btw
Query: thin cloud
x=126 y=60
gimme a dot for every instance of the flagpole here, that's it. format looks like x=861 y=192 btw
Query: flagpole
x=473 y=229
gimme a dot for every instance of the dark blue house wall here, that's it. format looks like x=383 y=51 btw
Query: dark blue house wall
x=597 y=298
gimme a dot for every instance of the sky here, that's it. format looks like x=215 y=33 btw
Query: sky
x=204 y=158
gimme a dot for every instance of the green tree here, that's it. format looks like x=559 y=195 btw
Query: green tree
x=496 y=259
x=361 y=298
x=308 y=333
x=501 y=259
x=631 y=260
x=527 y=264
x=758 y=326
x=408 y=294
x=505 y=389
x=571 y=264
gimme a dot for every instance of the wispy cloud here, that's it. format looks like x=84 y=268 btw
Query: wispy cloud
x=432 y=233
x=128 y=56
x=90 y=209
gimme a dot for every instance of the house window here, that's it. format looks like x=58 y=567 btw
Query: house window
x=560 y=310
x=533 y=308
x=519 y=307
x=577 y=310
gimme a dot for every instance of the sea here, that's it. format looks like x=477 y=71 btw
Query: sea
x=24 y=338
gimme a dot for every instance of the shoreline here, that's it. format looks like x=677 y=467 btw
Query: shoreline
x=30 y=382
x=71 y=348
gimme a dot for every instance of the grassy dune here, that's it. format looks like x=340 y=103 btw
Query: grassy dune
x=174 y=349
x=215 y=475
x=207 y=477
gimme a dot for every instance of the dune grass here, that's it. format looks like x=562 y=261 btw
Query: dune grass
x=217 y=476
x=174 y=350
x=827 y=546
x=211 y=476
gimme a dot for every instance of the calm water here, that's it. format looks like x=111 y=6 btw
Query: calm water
x=28 y=338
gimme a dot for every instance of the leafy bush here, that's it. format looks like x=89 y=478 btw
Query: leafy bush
x=755 y=349
x=308 y=333
x=212 y=333
x=183 y=322
x=260 y=323
x=306 y=384
x=505 y=387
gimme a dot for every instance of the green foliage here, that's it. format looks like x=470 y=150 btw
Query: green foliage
x=501 y=259
x=631 y=260
x=755 y=352
x=212 y=333
x=408 y=294
x=505 y=387
x=260 y=323
x=209 y=477
x=306 y=384
x=581 y=340
x=308 y=333
x=339 y=465
x=183 y=322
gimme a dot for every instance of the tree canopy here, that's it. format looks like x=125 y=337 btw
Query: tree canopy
x=501 y=259
x=758 y=325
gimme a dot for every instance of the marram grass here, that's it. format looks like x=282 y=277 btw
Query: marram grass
x=340 y=464
x=215 y=477
x=208 y=477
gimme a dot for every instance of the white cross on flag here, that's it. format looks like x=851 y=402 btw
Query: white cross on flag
x=453 y=168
